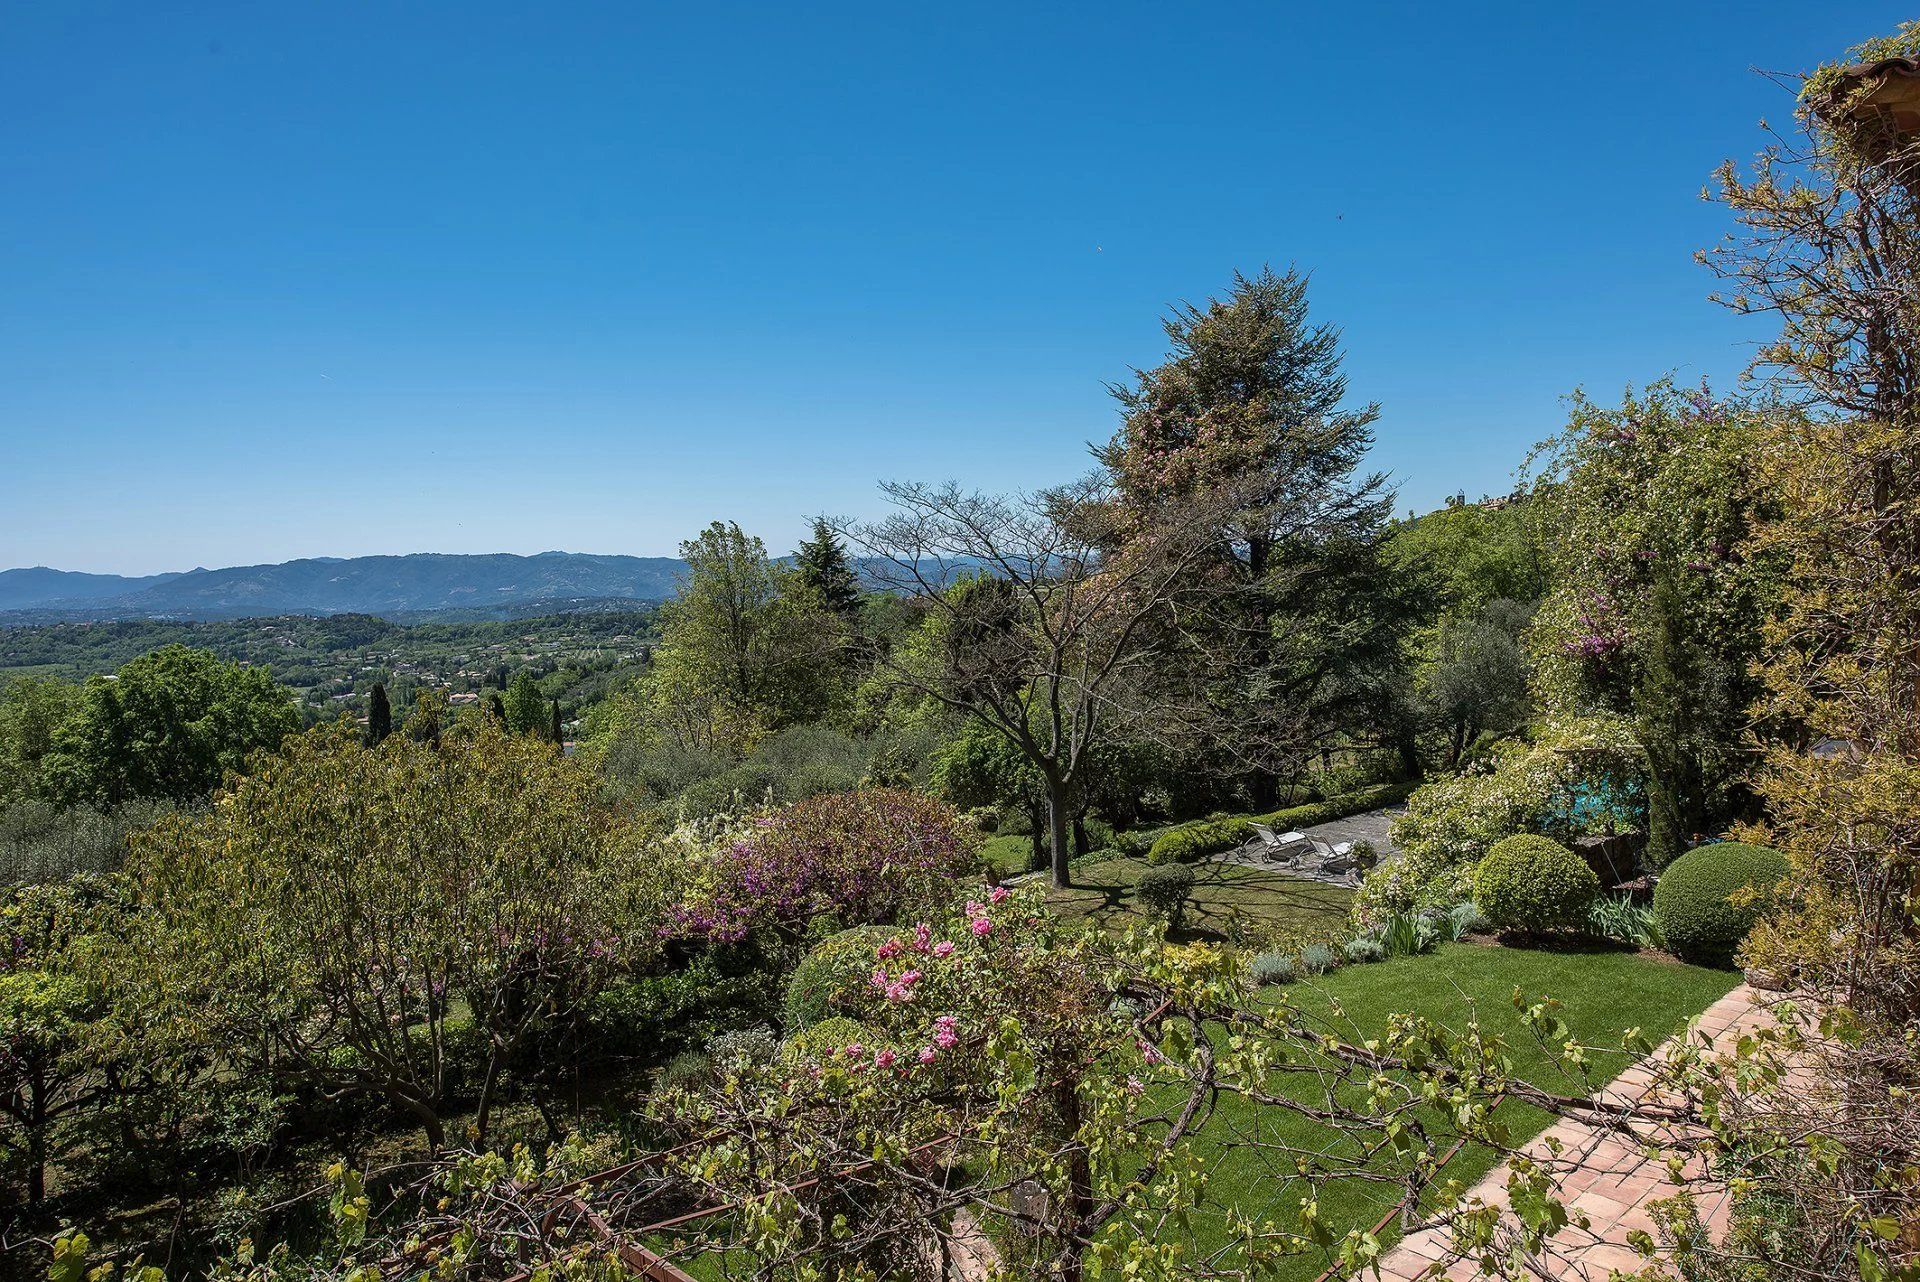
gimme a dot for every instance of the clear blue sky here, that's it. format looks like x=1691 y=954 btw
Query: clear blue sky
x=284 y=280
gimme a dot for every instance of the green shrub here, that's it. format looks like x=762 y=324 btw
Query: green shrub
x=1693 y=900
x=1407 y=934
x=687 y=1071
x=1164 y=892
x=1464 y=919
x=1199 y=839
x=831 y=1034
x=833 y=978
x=1453 y=821
x=1618 y=918
x=1132 y=844
x=740 y=1047
x=1364 y=949
x=1318 y=959
x=1533 y=885
x=1272 y=968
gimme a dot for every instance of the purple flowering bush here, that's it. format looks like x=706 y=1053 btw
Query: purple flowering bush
x=865 y=857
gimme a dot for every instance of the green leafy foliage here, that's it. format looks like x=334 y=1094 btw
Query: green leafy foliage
x=167 y=727
x=1197 y=840
x=829 y=1034
x=1272 y=968
x=1710 y=897
x=1579 y=776
x=1533 y=885
x=339 y=879
x=1165 y=891
x=1618 y=918
x=1318 y=959
x=832 y=978
x=1363 y=949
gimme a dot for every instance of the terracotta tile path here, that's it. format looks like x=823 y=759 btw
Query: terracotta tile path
x=1613 y=1184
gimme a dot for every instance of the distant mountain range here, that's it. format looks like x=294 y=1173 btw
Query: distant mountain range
x=409 y=587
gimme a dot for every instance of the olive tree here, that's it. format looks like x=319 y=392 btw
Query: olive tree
x=335 y=915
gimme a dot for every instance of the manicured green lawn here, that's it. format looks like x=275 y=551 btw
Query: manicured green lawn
x=1007 y=856
x=1227 y=899
x=1604 y=993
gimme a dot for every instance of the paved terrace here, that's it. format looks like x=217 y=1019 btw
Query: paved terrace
x=1612 y=1186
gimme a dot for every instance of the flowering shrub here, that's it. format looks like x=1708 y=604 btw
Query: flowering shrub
x=1671 y=479
x=1563 y=785
x=864 y=857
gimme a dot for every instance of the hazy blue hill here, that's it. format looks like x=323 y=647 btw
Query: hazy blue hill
x=25 y=589
x=422 y=583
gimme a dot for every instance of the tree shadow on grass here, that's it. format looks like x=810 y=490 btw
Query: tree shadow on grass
x=1228 y=900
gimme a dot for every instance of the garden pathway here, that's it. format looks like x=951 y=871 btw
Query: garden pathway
x=1613 y=1184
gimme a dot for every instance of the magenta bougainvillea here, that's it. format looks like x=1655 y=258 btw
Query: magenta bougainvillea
x=864 y=857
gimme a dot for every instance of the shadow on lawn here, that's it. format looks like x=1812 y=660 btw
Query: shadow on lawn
x=1227 y=899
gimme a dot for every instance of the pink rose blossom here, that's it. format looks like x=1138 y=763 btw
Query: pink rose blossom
x=889 y=950
x=943 y=949
x=998 y=894
x=928 y=1054
x=982 y=927
x=883 y=1059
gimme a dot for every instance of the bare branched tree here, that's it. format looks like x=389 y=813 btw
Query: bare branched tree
x=1035 y=629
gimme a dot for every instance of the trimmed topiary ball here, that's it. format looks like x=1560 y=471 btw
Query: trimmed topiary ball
x=1164 y=891
x=1693 y=901
x=833 y=978
x=831 y=1035
x=1534 y=885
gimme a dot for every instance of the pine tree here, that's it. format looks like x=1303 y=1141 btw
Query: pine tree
x=525 y=710
x=379 y=715
x=822 y=565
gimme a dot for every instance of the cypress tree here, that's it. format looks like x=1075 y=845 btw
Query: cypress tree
x=559 y=733
x=823 y=565
x=379 y=715
x=498 y=707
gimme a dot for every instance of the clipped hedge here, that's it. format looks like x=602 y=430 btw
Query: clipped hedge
x=1693 y=900
x=1203 y=837
x=833 y=978
x=1534 y=885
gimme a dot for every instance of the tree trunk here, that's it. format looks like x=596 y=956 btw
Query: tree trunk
x=36 y=1142
x=484 y=1110
x=1057 y=821
x=1072 y=1220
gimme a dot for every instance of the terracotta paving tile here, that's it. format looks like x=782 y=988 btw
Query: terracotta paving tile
x=1617 y=1177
